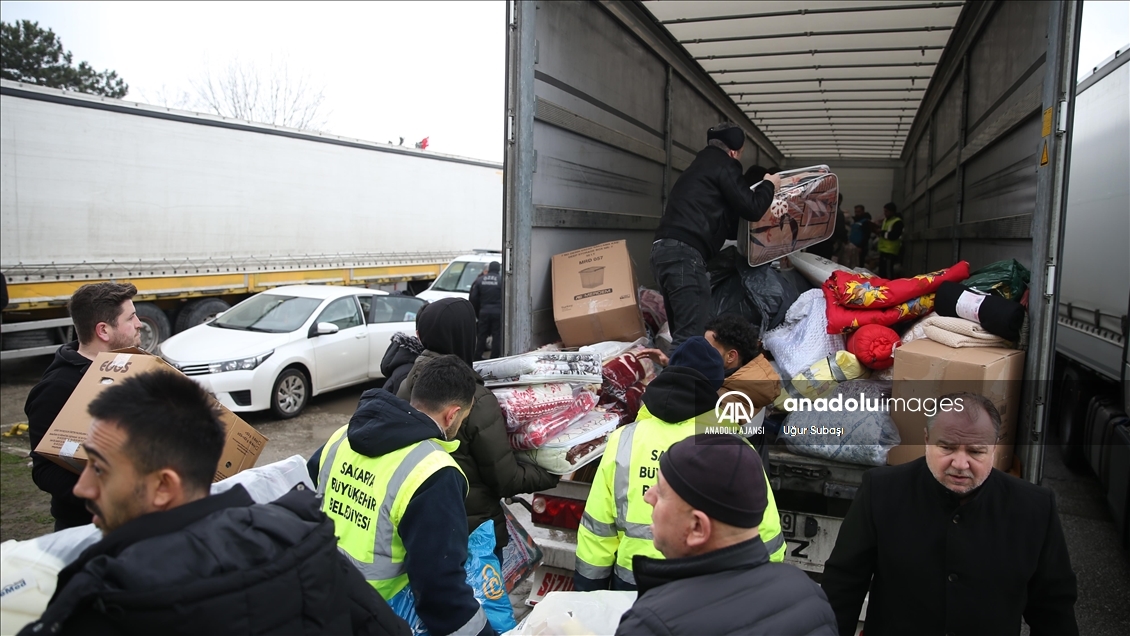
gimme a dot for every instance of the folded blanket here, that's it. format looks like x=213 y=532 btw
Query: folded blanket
x=842 y=320
x=997 y=315
x=953 y=332
x=540 y=367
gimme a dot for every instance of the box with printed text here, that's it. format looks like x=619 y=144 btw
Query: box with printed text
x=594 y=295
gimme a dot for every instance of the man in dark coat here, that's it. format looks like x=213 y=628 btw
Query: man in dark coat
x=702 y=213
x=175 y=560
x=947 y=544
x=486 y=298
x=105 y=320
x=447 y=327
x=716 y=577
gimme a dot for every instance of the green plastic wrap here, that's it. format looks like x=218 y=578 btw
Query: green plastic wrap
x=1008 y=279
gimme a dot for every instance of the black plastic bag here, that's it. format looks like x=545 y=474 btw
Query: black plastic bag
x=770 y=292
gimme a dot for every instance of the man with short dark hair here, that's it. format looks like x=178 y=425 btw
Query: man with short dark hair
x=716 y=576
x=702 y=213
x=175 y=559
x=396 y=495
x=105 y=320
x=747 y=370
x=948 y=544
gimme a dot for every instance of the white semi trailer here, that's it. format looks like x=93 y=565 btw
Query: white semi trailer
x=198 y=211
x=961 y=113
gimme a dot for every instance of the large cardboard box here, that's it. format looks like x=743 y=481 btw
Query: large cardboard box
x=63 y=442
x=927 y=369
x=594 y=295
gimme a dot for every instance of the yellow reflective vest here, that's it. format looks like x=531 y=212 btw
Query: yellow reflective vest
x=366 y=497
x=886 y=245
x=616 y=524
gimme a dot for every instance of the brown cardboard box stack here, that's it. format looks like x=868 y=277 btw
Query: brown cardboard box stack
x=594 y=296
x=63 y=442
x=927 y=369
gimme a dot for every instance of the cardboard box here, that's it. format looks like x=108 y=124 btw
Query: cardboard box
x=927 y=369
x=63 y=442
x=594 y=295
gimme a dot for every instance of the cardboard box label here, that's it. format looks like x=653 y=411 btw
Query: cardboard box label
x=62 y=443
x=594 y=295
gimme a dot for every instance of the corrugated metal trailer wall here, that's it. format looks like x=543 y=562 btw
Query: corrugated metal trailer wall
x=615 y=113
x=982 y=176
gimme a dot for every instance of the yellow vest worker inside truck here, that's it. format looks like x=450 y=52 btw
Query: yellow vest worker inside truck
x=396 y=497
x=616 y=525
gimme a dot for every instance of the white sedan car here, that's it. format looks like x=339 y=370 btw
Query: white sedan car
x=280 y=347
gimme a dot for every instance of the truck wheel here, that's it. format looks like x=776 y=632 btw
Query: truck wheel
x=1074 y=395
x=290 y=393
x=200 y=311
x=155 y=327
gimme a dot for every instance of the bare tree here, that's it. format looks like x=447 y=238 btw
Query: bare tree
x=270 y=96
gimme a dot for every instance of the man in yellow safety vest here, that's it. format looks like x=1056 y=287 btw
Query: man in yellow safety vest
x=616 y=524
x=395 y=496
x=890 y=240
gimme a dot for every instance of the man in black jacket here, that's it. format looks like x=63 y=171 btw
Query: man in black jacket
x=486 y=298
x=105 y=320
x=716 y=577
x=947 y=544
x=702 y=213
x=174 y=560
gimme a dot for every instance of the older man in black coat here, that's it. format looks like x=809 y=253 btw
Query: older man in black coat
x=949 y=545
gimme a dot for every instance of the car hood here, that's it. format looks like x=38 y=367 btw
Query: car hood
x=432 y=296
x=205 y=343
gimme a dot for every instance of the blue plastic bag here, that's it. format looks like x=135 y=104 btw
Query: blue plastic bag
x=484 y=575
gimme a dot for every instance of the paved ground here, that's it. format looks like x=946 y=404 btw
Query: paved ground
x=1101 y=564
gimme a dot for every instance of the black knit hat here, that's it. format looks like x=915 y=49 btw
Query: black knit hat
x=729 y=134
x=720 y=475
x=697 y=353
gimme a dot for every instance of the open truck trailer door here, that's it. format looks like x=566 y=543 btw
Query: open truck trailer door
x=960 y=112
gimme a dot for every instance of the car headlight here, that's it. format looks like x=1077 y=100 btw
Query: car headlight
x=243 y=364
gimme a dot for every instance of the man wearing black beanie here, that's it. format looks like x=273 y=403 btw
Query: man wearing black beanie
x=702 y=213
x=616 y=525
x=717 y=578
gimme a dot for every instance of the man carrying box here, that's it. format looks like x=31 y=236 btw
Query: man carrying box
x=105 y=320
x=174 y=558
x=702 y=213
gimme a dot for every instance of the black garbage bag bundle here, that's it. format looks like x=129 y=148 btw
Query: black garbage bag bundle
x=760 y=294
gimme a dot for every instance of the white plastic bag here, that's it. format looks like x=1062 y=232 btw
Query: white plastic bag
x=541 y=367
x=803 y=337
x=29 y=571
x=862 y=435
x=269 y=482
x=575 y=614
x=578 y=445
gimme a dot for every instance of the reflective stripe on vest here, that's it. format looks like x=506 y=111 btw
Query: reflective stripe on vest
x=620 y=488
x=886 y=245
x=386 y=572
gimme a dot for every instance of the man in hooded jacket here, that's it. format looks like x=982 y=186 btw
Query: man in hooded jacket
x=616 y=525
x=447 y=327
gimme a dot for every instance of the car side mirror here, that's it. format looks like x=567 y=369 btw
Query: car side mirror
x=322 y=329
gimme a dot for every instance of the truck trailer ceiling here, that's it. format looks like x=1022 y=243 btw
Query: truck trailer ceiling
x=828 y=79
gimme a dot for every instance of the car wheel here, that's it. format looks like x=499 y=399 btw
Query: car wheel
x=155 y=327
x=200 y=311
x=290 y=393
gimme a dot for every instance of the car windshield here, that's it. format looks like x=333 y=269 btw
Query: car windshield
x=273 y=313
x=458 y=276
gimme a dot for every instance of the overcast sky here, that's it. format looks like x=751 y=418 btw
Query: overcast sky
x=411 y=69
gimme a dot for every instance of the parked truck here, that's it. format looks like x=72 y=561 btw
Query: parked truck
x=961 y=114
x=200 y=211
